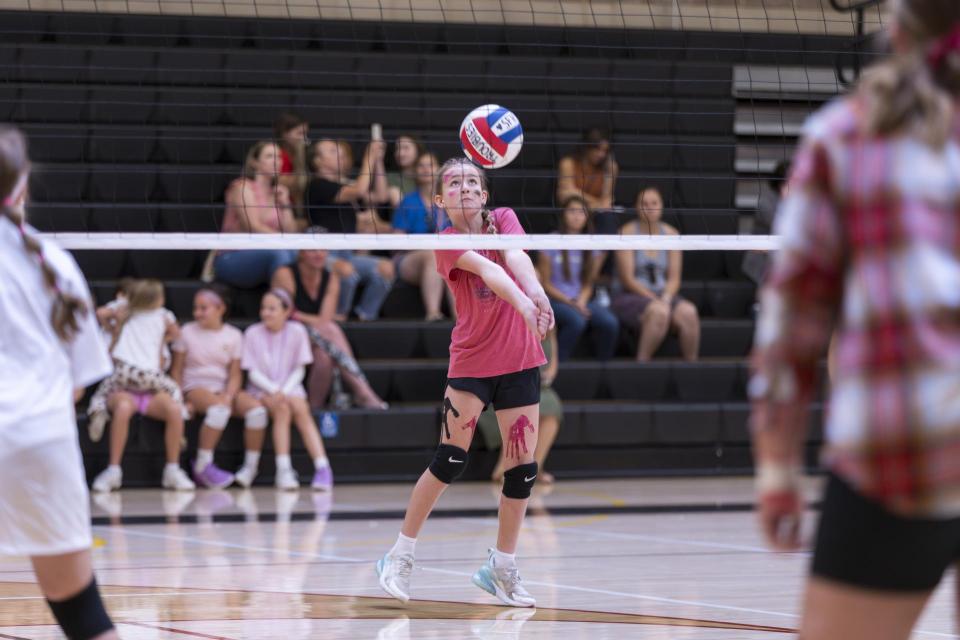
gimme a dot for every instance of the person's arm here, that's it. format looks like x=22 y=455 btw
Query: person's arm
x=520 y=265
x=674 y=270
x=173 y=330
x=359 y=188
x=553 y=364
x=261 y=380
x=610 y=173
x=176 y=366
x=566 y=180
x=381 y=188
x=234 y=380
x=497 y=279
x=283 y=279
x=625 y=265
x=288 y=223
x=295 y=378
x=798 y=309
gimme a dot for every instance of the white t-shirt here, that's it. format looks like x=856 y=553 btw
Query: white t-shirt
x=141 y=338
x=208 y=355
x=38 y=372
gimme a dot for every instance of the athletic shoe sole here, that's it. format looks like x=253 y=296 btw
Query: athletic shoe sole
x=402 y=597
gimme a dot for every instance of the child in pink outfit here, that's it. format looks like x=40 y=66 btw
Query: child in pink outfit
x=275 y=355
x=495 y=355
x=206 y=364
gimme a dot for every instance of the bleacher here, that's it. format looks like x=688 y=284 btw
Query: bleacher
x=138 y=123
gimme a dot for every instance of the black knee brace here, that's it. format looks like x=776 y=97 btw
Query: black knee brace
x=518 y=482
x=82 y=617
x=448 y=463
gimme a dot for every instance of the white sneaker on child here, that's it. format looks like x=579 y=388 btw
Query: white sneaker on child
x=245 y=476
x=110 y=479
x=287 y=479
x=96 y=425
x=176 y=479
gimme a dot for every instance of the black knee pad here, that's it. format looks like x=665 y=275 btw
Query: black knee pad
x=82 y=617
x=518 y=482
x=448 y=463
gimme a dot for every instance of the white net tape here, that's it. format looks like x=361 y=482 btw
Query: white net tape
x=393 y=242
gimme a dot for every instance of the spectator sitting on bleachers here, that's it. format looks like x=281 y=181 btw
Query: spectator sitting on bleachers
x=406 y=150
x=589 y=172
x=290 y=132
x=206 y=365
x=333 y=198
x=276 y=352
x=314 y=290
x=139 y=384
x=417 y=213
x=569 y=278
x=551 y=417
x=648 y=283
x=255 y=205
x=756 y=263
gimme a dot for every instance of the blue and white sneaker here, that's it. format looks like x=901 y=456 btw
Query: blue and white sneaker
x=504 y=583
x=394 y=573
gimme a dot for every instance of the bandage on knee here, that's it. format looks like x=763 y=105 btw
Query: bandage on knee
x=448 y=463
x=217 y=417
x=82 y=617
x=257 y=418
x=518 y=481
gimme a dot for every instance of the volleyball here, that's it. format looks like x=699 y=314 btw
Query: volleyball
x=491 y=136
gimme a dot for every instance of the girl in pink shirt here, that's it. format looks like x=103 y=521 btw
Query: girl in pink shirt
x=206 y=365
x=275 y=355
x=495 y=355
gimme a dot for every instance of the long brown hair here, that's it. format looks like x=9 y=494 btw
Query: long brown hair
x=913 y=91
x=489 y=225
x=14 y=167
x=586 y=265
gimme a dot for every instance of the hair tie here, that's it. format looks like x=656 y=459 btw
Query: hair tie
x=943 y=47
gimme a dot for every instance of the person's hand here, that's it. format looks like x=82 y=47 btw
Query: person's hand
x=781 y=513
x=582 y=307
x=611 y=166
x=545 y=319
x=666 y=298
x=282 y=195
x=377 y=150
x=531 y=317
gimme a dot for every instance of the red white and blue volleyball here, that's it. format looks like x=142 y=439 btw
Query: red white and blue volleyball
x=491 y=136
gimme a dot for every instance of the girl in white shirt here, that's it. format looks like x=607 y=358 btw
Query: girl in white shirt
x=50 y=349
x=137 y=356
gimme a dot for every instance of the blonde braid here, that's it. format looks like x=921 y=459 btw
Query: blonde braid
x=489 y=224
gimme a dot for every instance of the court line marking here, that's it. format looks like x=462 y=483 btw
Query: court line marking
x=554 y=585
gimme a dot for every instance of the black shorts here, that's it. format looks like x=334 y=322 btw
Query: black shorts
x=861 y=544
x=509 y=391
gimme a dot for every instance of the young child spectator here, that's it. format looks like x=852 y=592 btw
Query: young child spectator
x=313 y=289
x=206 y=364
x=649 y=282
x=275 y=355
x=589 y=172
x=569 y=278
x=145 y=329
x=418 y=213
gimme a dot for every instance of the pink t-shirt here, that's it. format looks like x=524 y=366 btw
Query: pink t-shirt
x=276 y=354
x=261 y=206
x=208 y=355
x=490 y=337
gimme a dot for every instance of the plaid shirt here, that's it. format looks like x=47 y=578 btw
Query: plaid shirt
x=871 y=250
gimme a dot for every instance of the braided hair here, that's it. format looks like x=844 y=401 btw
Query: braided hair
x=14 y=172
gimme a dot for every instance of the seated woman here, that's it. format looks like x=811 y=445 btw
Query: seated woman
x=647 y=286
x=569 y=278
x=255 y=204
x=331 y=202
x=314 y=290
x=417 y=213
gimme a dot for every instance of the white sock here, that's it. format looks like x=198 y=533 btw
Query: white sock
x=403 y=545
x=283 y=462
x=251 y=459
x=204 y=457
x=501 y=559
x=115 y=469
x=321 y=462
x=170 y=467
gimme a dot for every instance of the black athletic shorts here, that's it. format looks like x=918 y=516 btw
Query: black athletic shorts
x=861 y=544
x=509 y=391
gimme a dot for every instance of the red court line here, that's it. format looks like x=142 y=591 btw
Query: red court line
x=184 y=632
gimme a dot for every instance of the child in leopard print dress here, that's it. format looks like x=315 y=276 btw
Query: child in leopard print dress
x=137 y=353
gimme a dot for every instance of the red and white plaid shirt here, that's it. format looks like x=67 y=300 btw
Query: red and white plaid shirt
x=871 y=250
